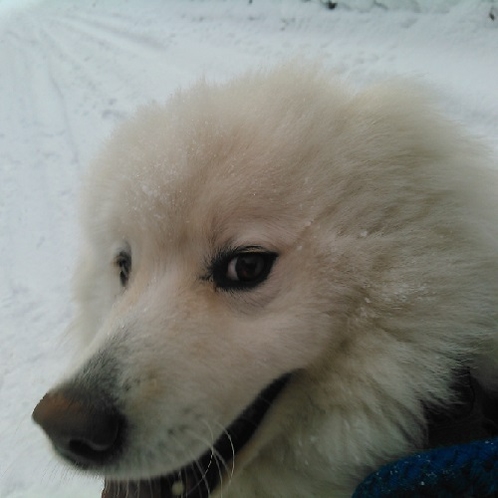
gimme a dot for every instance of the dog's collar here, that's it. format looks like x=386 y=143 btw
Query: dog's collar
x=473 y=416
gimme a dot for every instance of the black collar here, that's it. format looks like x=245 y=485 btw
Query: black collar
x=473 y=415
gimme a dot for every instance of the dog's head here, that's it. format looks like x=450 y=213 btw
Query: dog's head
x=236 y=240
x=204 y=285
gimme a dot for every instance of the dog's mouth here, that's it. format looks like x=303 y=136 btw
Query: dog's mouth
x=202 y=476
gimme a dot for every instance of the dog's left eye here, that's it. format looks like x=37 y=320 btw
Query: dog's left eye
x=123 y=262
x=242 y=270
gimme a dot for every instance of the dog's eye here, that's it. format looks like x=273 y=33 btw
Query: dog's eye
x=123 y=263
x=243 y=269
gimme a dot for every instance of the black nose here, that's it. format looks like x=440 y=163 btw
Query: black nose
x=88 y=433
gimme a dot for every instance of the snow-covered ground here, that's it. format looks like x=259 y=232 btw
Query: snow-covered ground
x=71 y=70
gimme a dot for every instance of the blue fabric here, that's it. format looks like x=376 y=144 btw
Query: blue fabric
x=463 y=471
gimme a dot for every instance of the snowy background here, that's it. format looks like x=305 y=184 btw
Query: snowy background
x=71 y=70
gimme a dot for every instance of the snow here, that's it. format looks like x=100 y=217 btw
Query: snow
x=72 y=70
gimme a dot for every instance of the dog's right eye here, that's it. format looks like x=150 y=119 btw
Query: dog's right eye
x=242 y=269
x=123 y=263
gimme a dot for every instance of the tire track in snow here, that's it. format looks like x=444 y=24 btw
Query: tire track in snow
x=121 y=31
x=165 y=52
x=117 y=55
x=33 y=193
x=39 y=152
x=97 y=70
x=95 y=94
x=33 y=200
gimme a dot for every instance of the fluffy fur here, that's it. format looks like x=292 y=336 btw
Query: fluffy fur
x=382 y=214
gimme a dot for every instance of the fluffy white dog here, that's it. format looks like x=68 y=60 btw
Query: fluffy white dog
x=281 y=283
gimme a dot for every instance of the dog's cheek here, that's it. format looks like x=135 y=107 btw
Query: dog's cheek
x=308 y=316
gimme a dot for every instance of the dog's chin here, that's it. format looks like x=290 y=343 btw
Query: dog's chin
x=201 y=477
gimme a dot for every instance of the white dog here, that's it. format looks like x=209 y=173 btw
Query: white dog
x=281 y=282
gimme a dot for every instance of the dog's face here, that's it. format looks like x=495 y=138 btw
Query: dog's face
x=203 y=267
x=206 y=274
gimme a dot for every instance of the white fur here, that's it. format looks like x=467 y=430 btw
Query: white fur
x=383 y=216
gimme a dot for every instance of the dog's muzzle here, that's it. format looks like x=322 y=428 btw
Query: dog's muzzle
x=90 y=433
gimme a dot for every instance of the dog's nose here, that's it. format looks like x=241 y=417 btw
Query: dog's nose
x=88 y=434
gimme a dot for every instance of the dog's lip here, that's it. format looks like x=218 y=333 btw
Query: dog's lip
x=200 y=477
